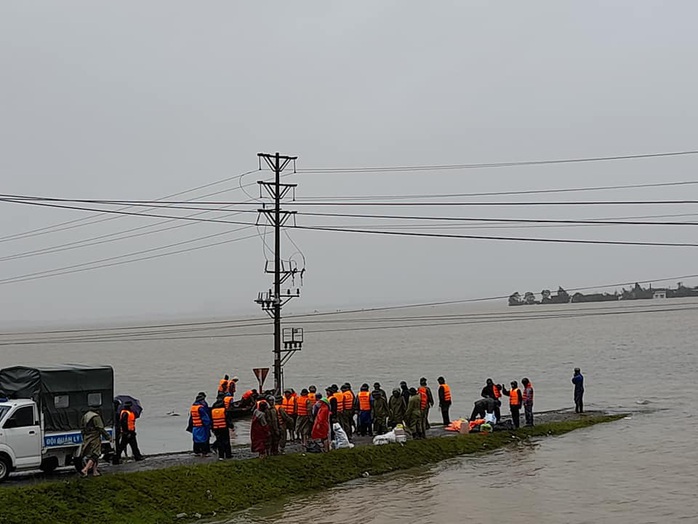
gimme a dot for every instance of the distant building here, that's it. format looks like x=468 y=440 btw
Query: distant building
x=661 y=293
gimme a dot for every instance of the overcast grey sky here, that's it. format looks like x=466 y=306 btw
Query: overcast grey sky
x=137 y=100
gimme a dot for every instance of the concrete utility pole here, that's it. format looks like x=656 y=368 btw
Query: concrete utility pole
x=273 y=301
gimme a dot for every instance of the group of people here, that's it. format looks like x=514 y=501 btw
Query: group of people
x=309 y=416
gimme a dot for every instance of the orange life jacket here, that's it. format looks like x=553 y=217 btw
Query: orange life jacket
x=495 y=390
x=227 y=400
x=339 y=396
x=218 y=416
x=302 y=406
x=312 y=397
x=247 y=394
x=423 y=397
x=525 y=394
x=289 y=405
x=131 y=422
x=515 y=397
x=447 y=392
x=195 y=416
x=348 y=400
x=223 y=386
x=364 y=401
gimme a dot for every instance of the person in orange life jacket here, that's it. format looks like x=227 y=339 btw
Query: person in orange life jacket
x=427 y=402
x=127 y=425
x=494 y=391
x=365 y=403
x=223 y=384
x=527 y=396
x=332 y=403
x=515 y=402
x=444 y=400
x=248 y=398
x=303 y=424
x=200 y=425
x=336 y=399
x=219 y=420
x=233 y=386
x=288 y=404
x=312 y=393
x=346 y=417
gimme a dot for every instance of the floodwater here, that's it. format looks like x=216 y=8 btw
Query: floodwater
x=640 y=469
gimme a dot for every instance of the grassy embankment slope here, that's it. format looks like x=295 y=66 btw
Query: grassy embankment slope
x=224 y=487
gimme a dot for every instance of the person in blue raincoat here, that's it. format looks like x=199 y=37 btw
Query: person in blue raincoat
x=200 y=425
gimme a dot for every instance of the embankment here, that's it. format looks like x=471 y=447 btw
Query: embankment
x=158 y=496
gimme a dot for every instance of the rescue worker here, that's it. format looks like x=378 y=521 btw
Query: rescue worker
x=578 y=381
x=444 y=400
x=481 y=407
x=312 y=393
x=92 y=433
x=347 y=422
x=380 y=412
x=413 y=415
x=365 y=403
x=494 y=391
x=527 y=401
x=303 y=409
x=248 y=398
x=427 y=401
x=127 y=426
x=233 y=386
x=396 y=409
x=223 y=384
x=515 y=401
x=272 y=416
x=377 y=387
x=259 y=430
x=338 y=404
x=405 y=392
x=332 y=403
x=219 y=422
x=200 y=425
x=288 y=403
x=286 y=422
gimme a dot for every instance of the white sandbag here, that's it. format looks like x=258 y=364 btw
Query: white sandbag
x=490 y=419
x=400 y=435
x=341 y=440
x=387 y=438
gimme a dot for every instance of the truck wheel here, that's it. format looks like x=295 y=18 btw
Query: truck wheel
x=5 y=467
x=49 y=465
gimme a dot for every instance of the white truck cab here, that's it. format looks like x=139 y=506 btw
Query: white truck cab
x=20 y=436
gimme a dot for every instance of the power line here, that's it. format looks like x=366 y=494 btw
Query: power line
x=446 y=167
x=503 y=193
x=501 y=238
x=84 y=221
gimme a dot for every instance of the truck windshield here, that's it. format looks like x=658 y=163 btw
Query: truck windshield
x=3 y=411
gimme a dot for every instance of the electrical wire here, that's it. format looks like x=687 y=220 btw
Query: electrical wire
x=445 y=167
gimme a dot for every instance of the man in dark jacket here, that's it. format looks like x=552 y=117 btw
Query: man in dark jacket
x=127 y=433
x=578 y=381
x=444 y=400
x=494 y=391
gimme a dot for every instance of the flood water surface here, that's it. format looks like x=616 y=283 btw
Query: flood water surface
x=639 y=469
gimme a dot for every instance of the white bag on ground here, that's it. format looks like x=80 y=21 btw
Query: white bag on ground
x=490 y=419
x=387 y=438
x=340 y=438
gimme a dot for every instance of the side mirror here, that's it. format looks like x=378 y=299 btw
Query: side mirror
x=11 y=423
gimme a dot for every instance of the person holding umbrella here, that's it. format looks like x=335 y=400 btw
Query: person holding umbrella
x=127 y=426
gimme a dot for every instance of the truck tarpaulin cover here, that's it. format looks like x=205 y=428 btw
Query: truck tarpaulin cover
x=64 y=393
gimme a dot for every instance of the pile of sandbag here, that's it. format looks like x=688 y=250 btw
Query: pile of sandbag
x=396 y=435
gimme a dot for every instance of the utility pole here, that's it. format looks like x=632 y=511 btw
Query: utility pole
x=273 y=301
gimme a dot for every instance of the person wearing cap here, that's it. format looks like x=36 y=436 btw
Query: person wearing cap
x=515 y=402
x=200 y=425
x=377 y=387
x=233 y=386
x=312 y=393
x=396 y=409
x=303 y=410
x=414 y=416
x=578 y=381
x=379 y=413
x=127 y=426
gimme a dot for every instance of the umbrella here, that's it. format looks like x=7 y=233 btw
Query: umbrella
x=136 y=407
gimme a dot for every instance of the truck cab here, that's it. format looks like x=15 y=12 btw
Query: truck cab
x=20 y=436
